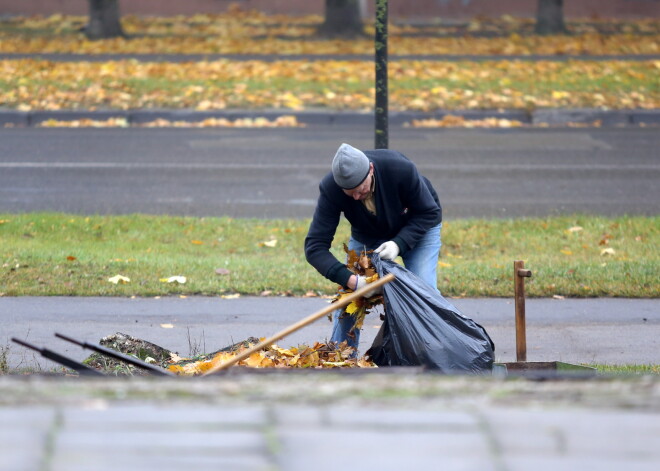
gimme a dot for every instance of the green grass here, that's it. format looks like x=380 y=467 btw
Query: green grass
x=63 y=254
x=628 y=369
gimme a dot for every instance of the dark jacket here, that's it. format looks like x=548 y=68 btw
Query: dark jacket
x=407 y=206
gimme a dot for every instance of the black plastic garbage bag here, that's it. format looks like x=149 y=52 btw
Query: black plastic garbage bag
x=422 y=328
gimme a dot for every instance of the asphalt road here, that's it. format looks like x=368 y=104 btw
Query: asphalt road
x=274 y=173
x=605 y=330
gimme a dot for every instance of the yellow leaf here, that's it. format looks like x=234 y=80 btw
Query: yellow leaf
x=334 y=364
x=574 y=229
x=608 y=251
x=269 y=243
x=119 y=279
x=231 y=296
x=174 y=358
x=254 y=360
x=196 y=242
x=282 y=351
x=566 y=252
x=444 y=264
x=176 y=369
x=352 y=308
x=174 y=279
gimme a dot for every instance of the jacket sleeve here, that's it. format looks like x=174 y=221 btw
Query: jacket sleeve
x=424 y=210
x=319 y=240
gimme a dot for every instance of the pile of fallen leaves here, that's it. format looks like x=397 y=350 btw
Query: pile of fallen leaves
x=451 y=121
x=287 y=121
x=360 y=265
x=319 y=355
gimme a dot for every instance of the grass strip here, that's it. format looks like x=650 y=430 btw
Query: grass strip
x=32 y=84
x=62 y=254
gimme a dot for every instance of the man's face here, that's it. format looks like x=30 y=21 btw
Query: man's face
x=361 y=191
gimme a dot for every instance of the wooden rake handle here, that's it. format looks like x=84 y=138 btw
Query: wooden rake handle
x=300 y=324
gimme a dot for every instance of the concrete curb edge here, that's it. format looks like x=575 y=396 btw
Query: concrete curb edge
x=607 y=118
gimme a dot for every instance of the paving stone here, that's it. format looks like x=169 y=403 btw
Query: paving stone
x=448 y=420
x=292 y=416
x=23 y=437
x=158 y=416
x=614 y=433
x=26 y=417
x=168 y=440
x=382 y=448
x=553 y=463
x=28 y=460
x=93 y=462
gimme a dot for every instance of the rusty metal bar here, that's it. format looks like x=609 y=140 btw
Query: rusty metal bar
x=519 y=275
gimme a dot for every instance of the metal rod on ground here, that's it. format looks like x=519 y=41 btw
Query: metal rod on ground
x=519 y=275
x=82 y=369
x=119 y=356
x=300 y=324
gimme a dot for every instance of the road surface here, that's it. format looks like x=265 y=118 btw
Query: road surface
x=274 y=173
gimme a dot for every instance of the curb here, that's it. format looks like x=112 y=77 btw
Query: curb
x=556 y=117
x=179 y=58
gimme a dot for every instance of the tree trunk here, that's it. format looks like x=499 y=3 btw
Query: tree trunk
x=550 y=17
x=342 y=19
x=104 y=20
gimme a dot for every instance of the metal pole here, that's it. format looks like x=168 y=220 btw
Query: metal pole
x=519 y=275
x=380 y=40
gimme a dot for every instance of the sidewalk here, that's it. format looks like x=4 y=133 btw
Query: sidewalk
x=592 y=331
x=327 y=422
x=376 y=419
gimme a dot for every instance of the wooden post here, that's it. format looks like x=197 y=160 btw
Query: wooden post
x=519 y=275
x=300 y=324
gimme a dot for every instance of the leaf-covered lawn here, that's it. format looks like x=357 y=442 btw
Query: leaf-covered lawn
x=31 y=84
x=60 y=254
x=240 y=32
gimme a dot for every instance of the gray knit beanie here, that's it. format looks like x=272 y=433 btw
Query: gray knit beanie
x=349 y=167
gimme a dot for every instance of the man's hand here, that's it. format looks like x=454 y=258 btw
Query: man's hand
x=362 y=281
x=388 y=250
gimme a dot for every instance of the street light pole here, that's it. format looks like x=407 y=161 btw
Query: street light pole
x=380 y=40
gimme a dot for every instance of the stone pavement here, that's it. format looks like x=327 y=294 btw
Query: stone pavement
x=328 y=422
